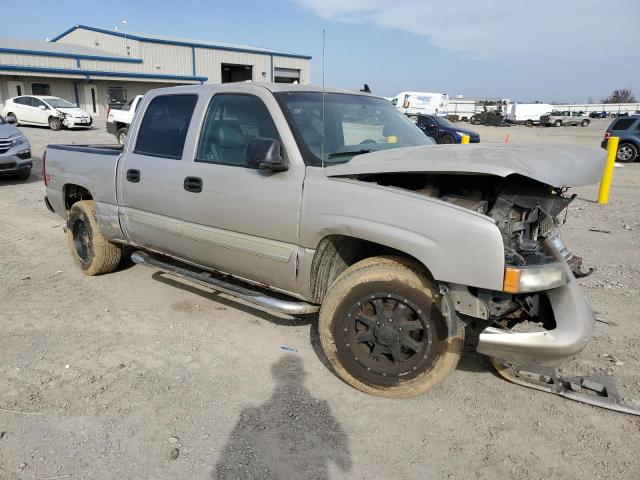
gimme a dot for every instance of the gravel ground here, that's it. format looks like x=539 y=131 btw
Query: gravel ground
x=135 y=375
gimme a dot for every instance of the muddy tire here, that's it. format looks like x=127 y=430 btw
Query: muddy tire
x=383 y=331
x=91 y=251
x=55 y=123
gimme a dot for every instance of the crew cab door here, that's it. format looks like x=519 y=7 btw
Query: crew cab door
x=151 y=174
x=237 y=218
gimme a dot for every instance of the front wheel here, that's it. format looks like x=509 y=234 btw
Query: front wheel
x=25 y=175
x=55 y=123
x=447 y=139
x=529 y=123
x=474 y=120
x=12 y=118
x=91 y=251
x=557 y=123
x=584 y=123
x=383 y=330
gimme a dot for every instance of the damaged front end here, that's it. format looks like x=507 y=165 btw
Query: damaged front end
x=539 y=316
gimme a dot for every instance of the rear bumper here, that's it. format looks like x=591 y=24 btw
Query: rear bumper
x=574 y=326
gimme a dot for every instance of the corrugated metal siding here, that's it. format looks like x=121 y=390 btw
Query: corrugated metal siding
x=209 y=64
x=102 y=41
x=297 y=63
x=36 y=60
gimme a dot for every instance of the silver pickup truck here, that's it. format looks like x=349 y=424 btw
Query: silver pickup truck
x=559 y=119
x=300 y=201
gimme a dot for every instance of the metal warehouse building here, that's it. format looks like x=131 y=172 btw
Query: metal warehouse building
x=97 y=68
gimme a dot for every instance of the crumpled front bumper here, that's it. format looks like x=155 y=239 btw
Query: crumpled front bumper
x=574 y=326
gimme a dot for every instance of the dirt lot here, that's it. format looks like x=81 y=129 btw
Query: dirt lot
x=134 y=375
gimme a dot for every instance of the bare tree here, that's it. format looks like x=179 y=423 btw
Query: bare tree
x=624 y=95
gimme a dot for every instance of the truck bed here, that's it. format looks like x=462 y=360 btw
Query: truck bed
x=92 y=167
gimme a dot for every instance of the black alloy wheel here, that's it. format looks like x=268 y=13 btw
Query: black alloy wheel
x=385 y=337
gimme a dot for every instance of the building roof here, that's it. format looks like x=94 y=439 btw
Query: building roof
x=153 y=38
x=51 y=49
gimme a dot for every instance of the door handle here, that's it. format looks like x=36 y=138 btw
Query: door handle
x=193 y=184
x=133 y=175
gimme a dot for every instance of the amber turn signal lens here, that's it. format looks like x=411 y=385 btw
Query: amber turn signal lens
x=511 y=280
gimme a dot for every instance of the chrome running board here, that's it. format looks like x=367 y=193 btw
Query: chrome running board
x=596 y=390
x=205 y=279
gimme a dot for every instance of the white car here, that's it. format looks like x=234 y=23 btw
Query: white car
x=40 y=110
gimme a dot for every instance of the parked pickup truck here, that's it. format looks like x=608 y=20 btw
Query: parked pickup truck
x=118 y=120
x=558 y=119
x=397 y=242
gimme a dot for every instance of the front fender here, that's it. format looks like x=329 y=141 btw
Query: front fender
x=456 y=245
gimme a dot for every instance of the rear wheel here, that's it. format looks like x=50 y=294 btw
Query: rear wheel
x=627 y=152
x=584 y=123
x=55 y=123
x=122 y=135
x=474 y=120
x=91 y=251
x=448 y=139
x=383 y=330
x=529 y=123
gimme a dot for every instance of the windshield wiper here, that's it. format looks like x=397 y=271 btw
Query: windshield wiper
x=350 y=154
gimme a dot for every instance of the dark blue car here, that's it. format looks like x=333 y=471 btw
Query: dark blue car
x=442 y=130
x=627 y=129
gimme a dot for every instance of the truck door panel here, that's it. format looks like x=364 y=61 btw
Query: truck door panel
x=245 y=220
x=151 y=175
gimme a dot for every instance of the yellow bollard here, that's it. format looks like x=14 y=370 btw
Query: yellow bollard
x=607 y=175
x=465 y=139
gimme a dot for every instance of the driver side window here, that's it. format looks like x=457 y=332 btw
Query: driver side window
x=231 y=122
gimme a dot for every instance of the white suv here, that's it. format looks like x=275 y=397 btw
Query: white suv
x=40 y=110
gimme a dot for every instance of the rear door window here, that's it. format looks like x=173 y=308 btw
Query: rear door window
x=622 y=124
x=165 y=125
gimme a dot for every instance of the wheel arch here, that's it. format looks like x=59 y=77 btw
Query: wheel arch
x=336 y=252
x=72 y=193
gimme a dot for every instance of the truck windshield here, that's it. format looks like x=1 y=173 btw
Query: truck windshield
x=353 y=125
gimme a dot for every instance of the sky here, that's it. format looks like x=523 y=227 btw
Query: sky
x=547 y=50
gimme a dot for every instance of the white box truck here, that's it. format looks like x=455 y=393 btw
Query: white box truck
x=527 y=113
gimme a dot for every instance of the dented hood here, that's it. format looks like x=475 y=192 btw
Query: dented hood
x=555 y=165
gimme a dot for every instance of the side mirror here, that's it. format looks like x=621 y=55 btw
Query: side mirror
x=266 y=154
x=42 y=107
